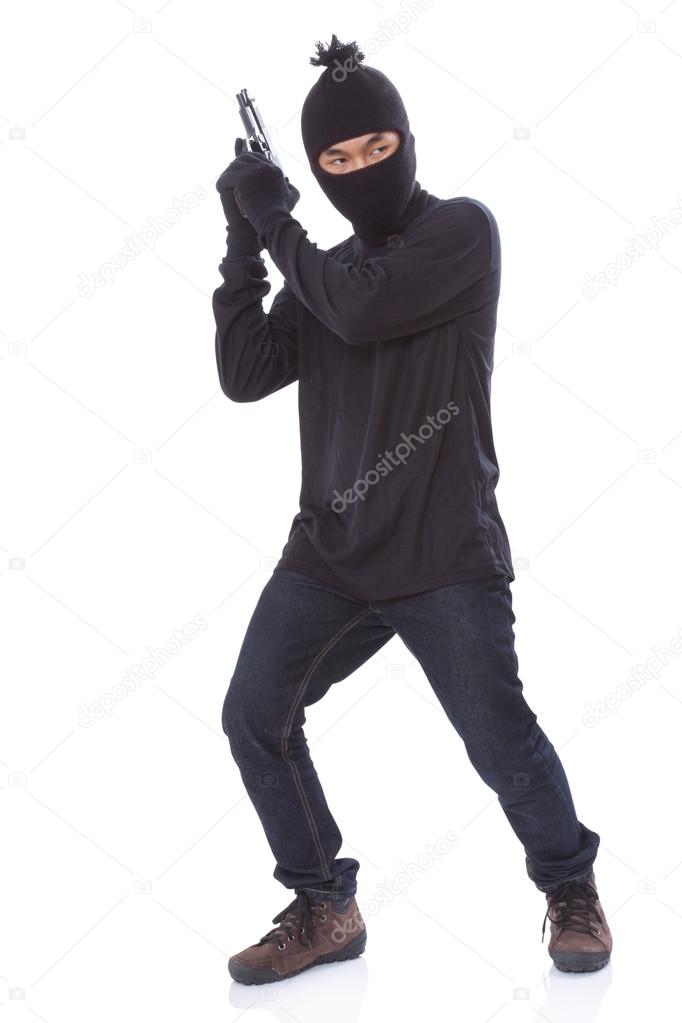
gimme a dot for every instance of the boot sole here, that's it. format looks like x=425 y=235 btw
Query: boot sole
x=579 y=962
x=259 y=975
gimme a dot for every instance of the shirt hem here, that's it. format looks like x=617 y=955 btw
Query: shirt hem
x=426 y=583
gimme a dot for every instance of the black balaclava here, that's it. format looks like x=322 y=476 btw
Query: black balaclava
x=348 y=100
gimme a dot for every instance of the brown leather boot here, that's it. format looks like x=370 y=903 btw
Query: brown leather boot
x=311 y=930
x=580 y=937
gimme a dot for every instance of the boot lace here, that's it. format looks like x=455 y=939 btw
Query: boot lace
x=297 y=916
x=574 y=903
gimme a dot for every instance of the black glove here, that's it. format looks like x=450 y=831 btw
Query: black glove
x=262 y=188
x=242 y=239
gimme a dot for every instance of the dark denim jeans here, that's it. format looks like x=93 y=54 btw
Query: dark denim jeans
x=305 y=635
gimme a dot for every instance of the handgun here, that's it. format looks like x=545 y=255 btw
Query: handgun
x=256 y=140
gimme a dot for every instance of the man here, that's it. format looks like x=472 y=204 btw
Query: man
x=390 y=335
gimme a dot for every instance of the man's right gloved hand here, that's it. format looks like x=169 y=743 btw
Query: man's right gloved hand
x=242 y=238
x=263 y=189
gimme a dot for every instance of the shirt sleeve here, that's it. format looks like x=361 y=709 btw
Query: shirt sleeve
x=256 y=352
x=447 y=267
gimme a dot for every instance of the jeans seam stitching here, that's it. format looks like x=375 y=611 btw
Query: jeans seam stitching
x=304 y=684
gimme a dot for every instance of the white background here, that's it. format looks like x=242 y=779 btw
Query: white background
x=135 y=497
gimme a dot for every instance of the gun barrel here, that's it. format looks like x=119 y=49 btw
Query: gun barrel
x=254 y=127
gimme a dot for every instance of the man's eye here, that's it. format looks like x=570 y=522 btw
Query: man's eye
x=338 y=161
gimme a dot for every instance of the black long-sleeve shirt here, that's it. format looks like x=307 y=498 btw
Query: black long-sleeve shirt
x=392 y=348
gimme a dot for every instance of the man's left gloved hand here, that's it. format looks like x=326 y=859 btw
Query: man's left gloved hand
x=261 y=187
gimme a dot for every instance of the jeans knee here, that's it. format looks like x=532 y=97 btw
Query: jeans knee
x=232 y=714
x=247 y=720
